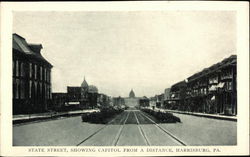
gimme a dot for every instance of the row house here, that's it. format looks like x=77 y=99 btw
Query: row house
x=213 y=90
x=159 y=100
x=177 y=96
x=31 y=77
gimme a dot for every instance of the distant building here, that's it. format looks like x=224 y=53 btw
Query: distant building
x=132 y=101
x=132 y=94
x=80 y=97
x=178 y=93
x=118 y=101
x=159 y=100
x=167 y=93
x=31 y=77
x=103 y=100
x=59 y=100
x=144 y=102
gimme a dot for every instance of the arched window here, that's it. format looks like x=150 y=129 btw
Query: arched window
x=30 y=89
x=17 y=68
x=41 y=72
x=13 y=68
x=45 y=74
x=14 y=88
x=35 y=89
x=17 y=89
x=22 y=89
x=41 y=90
x=35 y=71
x=21 y=69
x=45 y=91
x=30 y=69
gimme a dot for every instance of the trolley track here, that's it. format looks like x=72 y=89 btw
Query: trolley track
x=164 y=130
x=124 y=121
x=118 y=135
x=84 y=140
x=141 y=130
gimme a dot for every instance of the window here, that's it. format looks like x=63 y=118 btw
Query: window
x=17 y=68
x=35 y=89
x=213 y=79
x=30 y=68
x=41 y=72
x=45 y=72
x=41 y=89
x=22 y=89
x=45 y=91
x=50 y=92
x=22 y=70
x=48 y=76
x=30 y=87
x=17 y=88
x=229 y=85
x=35 y=71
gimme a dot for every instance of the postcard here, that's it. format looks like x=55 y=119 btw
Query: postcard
x=135 y=78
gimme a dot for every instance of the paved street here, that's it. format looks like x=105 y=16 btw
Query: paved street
x=130 y=128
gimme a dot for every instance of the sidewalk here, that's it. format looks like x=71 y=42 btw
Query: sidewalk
x=48 y=115
x=215 y=116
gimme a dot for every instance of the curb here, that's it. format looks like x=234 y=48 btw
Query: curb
x=207 y=116
x=43 y=119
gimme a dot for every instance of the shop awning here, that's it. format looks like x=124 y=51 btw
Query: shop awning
x=221 y=85
x=212 y=88
x=73 y=103
x=213 y=98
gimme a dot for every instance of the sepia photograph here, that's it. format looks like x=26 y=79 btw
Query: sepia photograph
x=125 y=80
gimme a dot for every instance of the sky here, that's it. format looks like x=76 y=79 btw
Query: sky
x=146 y=51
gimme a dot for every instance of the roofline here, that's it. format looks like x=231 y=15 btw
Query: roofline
x=209 y=70
x=19 y=36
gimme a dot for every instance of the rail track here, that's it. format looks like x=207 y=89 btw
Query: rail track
x=98 y=130
x=165 y=131
x=123 y=121
x=118 y=135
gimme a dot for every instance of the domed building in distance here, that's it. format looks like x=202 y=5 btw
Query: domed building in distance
x=85 y=96
x=132 y=94
x=132 y=100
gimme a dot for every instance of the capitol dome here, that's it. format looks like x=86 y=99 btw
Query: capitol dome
x=131 y=94
x=84 y=84
x=92 y=89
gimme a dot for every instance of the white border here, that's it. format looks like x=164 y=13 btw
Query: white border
x=242 y=9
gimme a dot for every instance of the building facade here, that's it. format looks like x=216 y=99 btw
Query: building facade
x=144 y=102
x=31 y=77
x=213 y=90
x=132 y=100
x=79 y=97
x=118 y=101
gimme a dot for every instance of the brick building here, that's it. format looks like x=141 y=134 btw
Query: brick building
x=212 y=90
x=31 y=77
